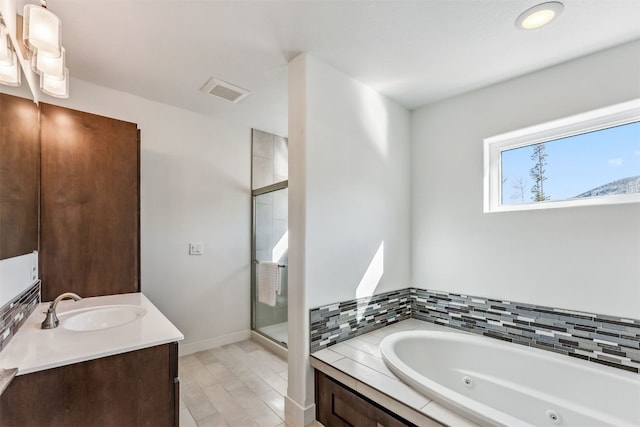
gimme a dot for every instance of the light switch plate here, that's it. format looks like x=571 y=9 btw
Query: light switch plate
x=196 y=248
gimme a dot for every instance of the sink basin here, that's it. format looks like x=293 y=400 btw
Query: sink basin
x=102 y=317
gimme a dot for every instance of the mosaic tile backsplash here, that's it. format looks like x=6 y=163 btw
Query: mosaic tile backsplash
x=14 y=313
x=333 y=323
x=607 y=340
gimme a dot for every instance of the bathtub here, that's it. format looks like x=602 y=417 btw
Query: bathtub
x=502 y=384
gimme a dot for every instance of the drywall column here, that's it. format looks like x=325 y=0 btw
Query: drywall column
x=299 y=402
x=349 y=208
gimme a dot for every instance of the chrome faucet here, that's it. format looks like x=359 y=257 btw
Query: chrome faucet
x=51 y=321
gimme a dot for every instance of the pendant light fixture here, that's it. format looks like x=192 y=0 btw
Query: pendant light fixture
x=42 y=30
x=10 y=74
x=42 y=34
x=43 y=64
x=9 y=69
x=54 y=86
x=5 y=51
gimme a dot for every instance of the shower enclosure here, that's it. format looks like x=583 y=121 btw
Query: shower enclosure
x=270 y=234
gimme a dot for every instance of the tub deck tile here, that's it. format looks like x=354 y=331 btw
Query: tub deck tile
x=359 y=365
x=380 y=381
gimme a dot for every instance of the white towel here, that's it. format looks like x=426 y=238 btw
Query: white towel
x=268 y=282
x=279 y=281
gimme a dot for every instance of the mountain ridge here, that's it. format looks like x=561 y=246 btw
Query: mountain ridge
x=621 y=186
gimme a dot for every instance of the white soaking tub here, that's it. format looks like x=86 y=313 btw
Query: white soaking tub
x=503 y=384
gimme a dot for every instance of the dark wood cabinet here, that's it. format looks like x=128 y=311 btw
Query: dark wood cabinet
x=90 y=198
x=339 y=406
x=70 y=188
x=137 y=388
x=19 y=176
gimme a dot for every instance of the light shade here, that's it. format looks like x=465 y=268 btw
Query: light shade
x=42 y=31
x=5 y=51
x=539 y=15
x=53 y=86
x=10 y=74
x=53 y=67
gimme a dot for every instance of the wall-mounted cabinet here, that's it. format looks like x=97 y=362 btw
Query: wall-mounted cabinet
x=89 y=203
x=70 y=188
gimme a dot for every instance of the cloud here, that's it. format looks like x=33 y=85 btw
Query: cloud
x=615 y=162
x=637 y=153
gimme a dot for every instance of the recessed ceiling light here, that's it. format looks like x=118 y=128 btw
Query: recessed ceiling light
x=539 y=15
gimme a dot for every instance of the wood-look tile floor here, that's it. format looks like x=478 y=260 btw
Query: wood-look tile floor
x=239 y=384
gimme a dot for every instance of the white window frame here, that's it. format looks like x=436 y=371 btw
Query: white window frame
x=614 y=115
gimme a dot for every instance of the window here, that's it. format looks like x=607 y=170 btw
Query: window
x=587 y=159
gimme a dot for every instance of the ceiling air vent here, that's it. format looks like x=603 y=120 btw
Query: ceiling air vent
x=224 y=90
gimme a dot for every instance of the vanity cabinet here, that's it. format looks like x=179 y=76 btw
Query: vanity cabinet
x=339 y=406
x=138 y=388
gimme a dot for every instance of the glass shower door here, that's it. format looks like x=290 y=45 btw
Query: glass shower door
x=271 y=244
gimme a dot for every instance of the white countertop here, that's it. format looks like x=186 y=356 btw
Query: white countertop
x=358 y=364
x=33 y=349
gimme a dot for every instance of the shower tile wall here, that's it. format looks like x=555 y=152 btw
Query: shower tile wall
x=270 y=159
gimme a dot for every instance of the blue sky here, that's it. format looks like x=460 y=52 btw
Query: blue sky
x=576 y=164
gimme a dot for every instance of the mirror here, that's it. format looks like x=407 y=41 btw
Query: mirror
x=19 y=163
x=19 y=175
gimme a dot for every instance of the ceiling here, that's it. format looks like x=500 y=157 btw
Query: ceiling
x=415 y=52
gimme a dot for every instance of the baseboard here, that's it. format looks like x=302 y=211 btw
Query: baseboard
x=194 y=347
x=273 y=347
x=296 y=415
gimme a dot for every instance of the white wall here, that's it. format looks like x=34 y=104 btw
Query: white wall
x=195 y=186
x=357 y=186
x=585 y=258
x=348 y=194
